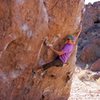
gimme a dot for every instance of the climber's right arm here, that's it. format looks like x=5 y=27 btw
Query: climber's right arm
x=57 y=52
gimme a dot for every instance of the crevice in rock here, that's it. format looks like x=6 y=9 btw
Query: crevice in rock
x=56 y=2
x=43 y=97
x=97 y=22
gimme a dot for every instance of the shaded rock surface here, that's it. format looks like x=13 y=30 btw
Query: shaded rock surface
x=89 y=42
x=24 y=24
x=91 y=15
x=96 y=66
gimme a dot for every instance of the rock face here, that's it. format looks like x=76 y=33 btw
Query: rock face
x=89 y=42
x=90 y=53
x=24 y=25
x=91 y=15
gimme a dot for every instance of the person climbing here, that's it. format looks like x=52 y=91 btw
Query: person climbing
x=64 y=54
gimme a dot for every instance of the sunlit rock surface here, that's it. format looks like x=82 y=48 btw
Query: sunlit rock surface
x=24 y=25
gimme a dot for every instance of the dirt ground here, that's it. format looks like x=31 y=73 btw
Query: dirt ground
x=84 y=90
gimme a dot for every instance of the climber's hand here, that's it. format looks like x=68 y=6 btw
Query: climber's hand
x=50 y=45
x=47 y=43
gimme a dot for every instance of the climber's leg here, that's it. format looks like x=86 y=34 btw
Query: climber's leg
x=56 y=62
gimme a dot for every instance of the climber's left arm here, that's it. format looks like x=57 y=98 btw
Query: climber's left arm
x=76 y=35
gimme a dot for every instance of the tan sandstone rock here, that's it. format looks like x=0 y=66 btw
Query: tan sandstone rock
x=24 y=25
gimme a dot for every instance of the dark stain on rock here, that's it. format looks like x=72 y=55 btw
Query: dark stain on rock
x=43 y=97
x=53 y=76
x=68 y=76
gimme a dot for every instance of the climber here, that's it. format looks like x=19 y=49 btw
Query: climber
x=64 y=54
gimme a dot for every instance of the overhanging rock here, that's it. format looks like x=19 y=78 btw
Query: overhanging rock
x=24 y=25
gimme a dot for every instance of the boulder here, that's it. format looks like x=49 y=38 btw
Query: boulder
x=91 y=15
x=96 y=41
x=95 y=66
x=89 y=42
x=90 y=53
x=24 y=26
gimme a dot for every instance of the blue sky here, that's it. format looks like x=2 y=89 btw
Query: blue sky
x=87 y=1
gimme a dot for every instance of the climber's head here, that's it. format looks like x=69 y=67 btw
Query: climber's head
x=70 y=39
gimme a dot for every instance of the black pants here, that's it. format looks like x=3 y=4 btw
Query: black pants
x=56 y=62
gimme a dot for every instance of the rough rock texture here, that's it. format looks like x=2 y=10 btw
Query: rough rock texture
x=91 y=15
x=24 y=24
x=91 y=52
x=96 y=66
x=89 y=42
